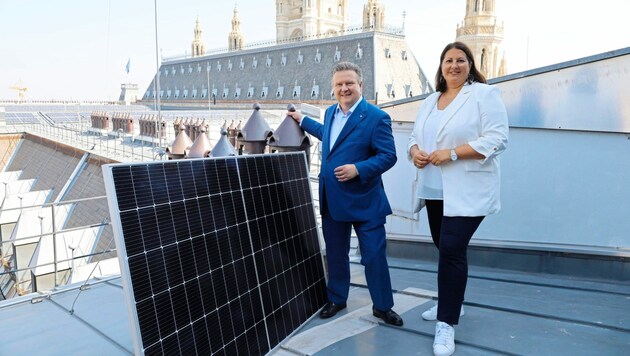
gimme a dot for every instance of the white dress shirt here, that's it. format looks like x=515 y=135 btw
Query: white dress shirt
x=339 y=121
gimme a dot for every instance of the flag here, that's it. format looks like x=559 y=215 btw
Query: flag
x=127 y=66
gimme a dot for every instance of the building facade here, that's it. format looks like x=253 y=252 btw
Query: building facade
x=298 y=68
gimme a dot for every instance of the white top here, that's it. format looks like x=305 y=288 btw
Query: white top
x=431 y=186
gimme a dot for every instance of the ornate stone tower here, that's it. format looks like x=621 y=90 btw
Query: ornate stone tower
x=197 y=43
x=374 y=15
x=481 y=32
x=303 y=19
x=235 y=39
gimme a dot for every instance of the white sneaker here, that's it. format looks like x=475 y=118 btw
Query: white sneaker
x=444 y=342
x=431 y=314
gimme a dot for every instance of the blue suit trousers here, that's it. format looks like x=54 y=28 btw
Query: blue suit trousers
x=372 y=244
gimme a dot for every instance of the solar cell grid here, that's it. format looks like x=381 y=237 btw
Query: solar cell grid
x=218 y=255
x=159 y=190
x=199 y=179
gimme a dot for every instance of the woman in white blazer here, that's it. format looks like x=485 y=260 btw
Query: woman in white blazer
x=459 y=132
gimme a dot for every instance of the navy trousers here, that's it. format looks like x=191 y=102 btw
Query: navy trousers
x=372 y=243
x=451 y=235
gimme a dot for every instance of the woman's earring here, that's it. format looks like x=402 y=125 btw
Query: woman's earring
x=470 y=78
x=441 y=79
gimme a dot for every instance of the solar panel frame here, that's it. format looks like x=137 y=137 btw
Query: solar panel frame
x=256 y=211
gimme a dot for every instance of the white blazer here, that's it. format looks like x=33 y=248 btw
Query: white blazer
x=477 y=116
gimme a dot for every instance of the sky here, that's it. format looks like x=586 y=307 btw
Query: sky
x=78 y=49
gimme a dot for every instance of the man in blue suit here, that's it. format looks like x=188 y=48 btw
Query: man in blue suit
x=357 y=147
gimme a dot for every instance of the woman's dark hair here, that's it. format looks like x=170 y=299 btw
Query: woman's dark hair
x=474 y=76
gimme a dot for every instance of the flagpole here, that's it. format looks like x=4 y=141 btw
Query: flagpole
x=209 y=103
x=157 y=79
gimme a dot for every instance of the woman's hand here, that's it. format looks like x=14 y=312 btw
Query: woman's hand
x=438 y=157
x=419 y=158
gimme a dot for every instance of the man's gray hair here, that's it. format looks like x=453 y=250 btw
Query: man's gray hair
x=343 y=66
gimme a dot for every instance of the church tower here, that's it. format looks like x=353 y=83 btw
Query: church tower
x=374 y=16
x=481 y=32
x=305 y=19
x=197 y=43
x=235 y=39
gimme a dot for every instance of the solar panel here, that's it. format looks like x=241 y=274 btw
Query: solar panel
x=218 y=256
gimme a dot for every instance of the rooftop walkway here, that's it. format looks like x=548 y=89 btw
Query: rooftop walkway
x=507 y=313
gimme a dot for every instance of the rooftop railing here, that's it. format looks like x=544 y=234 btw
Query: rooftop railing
x=37 y=262
x=22 y=278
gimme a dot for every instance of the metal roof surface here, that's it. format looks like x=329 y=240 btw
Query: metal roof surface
x=507 y=312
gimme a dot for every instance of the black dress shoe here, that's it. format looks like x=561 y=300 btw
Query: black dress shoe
x=331 y=309
x=389 y=317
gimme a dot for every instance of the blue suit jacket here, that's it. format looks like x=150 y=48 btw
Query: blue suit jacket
x=366 y=140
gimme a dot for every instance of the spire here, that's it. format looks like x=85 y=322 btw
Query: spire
x=236 y=20
x=403 y=24
x=304 y=19
x=197 y=29
x=197 y=43
x=374 y=16
x=483 y=34
x=235 y=39
x=479 y=7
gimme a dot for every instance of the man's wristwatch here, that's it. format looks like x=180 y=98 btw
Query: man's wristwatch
x=453 y=155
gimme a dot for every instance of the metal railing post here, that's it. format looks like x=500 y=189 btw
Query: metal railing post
x=54 y=238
